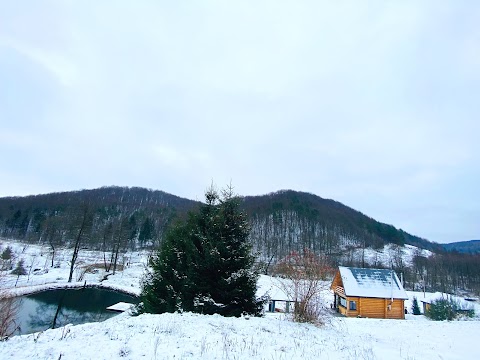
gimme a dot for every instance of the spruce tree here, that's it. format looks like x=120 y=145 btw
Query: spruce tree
x=166 y=288
x=20 y=268
x=205 y=264
x=415 y=307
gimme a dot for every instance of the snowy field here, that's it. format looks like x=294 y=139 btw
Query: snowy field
x=192 y=336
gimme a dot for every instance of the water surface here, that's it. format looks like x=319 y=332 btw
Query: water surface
x=56 y=308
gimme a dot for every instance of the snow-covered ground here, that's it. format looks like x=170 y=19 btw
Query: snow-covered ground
x=192 y=336
x=39 y=257
x=388 y=254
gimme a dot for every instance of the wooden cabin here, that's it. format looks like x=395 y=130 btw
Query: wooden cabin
x=372 y=293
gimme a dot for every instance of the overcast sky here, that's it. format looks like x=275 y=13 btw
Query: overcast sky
x=374 y=104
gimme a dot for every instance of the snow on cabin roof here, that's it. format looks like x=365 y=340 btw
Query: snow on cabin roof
x=375 y=283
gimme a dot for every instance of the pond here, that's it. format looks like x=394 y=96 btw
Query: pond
x=56 y=308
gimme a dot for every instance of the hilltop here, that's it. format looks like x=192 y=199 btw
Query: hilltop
x=286 y=220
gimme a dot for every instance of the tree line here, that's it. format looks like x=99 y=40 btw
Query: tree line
x=118 y=219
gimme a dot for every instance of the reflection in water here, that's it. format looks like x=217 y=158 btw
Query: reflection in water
x=56 y=308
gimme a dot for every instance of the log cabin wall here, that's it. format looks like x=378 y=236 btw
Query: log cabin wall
x=373 y=308
x=381 y=308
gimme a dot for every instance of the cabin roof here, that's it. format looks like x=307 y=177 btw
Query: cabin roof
x=375 y=283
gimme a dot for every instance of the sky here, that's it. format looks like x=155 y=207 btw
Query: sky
x=371 y=103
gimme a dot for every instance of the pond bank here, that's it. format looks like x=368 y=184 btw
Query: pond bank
x=33 y=289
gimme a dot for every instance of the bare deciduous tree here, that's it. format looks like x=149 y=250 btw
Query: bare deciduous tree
x=9 y=307
x=304 y=277
x=85 y=222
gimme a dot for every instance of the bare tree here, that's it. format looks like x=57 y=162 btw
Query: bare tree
x=85 y=221
x=53 y=235
x=304 y=278
x=9 y=307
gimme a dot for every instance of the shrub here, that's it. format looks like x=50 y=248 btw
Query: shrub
x=7 y=256
x=415 y=307
x=305 y=275
x=447 y=309
x=20 y=268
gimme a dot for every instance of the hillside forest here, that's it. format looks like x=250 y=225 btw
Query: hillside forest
x=117 y=220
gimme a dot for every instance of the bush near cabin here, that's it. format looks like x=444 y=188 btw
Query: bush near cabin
x=447 y=309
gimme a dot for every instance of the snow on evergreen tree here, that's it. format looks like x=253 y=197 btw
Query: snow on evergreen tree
x=205 y=264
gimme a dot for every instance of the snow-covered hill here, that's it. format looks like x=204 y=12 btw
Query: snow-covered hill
x=386 y=256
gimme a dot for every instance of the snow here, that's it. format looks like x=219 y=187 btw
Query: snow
x=374 y=283
x=194 y=336
x=272 y=287
x=389 y=253
x=37 y=256
x=121 y=306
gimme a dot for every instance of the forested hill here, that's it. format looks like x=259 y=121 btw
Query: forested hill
x=288 y=219
x=135 y=217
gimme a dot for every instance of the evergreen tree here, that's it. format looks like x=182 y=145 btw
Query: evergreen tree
x=20 y=268
x=167 y=287
x=147 y=231
x=415 y=307
x=205 y=264
x=7 y=257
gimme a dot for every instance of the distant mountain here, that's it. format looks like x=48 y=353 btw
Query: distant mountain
x=466 y=247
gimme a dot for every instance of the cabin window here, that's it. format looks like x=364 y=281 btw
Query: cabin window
x=343 y=302
x=353 y=305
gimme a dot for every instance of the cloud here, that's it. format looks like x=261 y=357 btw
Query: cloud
x=372 y=103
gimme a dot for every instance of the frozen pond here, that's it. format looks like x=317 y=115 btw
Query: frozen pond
x=57 y=308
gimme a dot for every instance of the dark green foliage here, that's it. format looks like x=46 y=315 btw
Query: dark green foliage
x=205 y=264
x=6 y=257
x=147 y=231
x=415 y=307
x=441 y=309
x=20 y=268
x=167 y=287
x=447 y=309
x=7 y=254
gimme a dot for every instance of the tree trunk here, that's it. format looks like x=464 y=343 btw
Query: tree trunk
x=78 y=240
